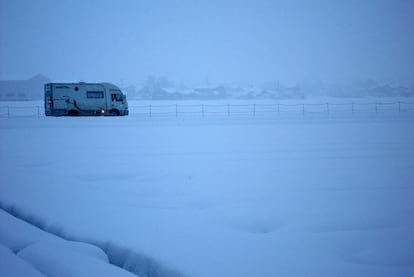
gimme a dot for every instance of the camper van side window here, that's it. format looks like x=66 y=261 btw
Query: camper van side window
x=94 y=94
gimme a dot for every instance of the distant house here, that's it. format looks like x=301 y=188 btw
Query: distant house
x=20 y=90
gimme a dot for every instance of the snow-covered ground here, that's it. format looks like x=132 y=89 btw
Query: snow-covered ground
x=25 y=250
x=222 y=196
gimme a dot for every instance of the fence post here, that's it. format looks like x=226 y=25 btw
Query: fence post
x=8 y=112
x=399 y=107
x=176 y=110
x=150 y=110
x=38 y=111
x=327 y=108
x=202 y=110
x=278 y=109
x=254 y=109
x=376 y=107
x=352 y=107
x=303 y=108
x=228 y=109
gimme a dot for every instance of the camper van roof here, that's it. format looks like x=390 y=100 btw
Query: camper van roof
x=108 y=85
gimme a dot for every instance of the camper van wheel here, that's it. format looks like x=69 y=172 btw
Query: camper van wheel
x=73 y=113
x=114 y=112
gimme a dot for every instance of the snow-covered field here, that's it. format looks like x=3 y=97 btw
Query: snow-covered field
x=222 y=196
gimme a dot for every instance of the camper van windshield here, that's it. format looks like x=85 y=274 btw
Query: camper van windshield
x=117 y=97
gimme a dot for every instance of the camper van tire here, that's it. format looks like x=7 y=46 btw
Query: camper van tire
x=114 y=113
x=73 y=113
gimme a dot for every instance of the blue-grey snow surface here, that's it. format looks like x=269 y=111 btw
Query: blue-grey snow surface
x=302 y=196
x=25 y=250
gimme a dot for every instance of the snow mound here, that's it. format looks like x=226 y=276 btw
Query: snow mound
x=12 y=265
x=37 y=242
x=68 y=260
x=17 y=234
x=48 y=253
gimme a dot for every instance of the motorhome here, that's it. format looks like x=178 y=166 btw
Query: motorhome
x=77 y=99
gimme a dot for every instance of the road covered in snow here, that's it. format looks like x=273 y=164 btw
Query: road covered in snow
x=222 y=196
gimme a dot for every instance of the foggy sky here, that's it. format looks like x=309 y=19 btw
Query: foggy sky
x=219 y=41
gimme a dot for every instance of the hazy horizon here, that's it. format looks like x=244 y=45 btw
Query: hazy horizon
x=199 y=42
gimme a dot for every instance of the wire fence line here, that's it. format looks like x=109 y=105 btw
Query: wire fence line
x=228 y=109
x=273 y=108
x=12 y=111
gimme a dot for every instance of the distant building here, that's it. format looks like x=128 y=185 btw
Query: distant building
x=20 y=90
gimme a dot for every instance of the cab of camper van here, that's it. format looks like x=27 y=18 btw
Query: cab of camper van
x=84 y=99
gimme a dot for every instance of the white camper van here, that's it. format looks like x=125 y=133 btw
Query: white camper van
x=75 y=99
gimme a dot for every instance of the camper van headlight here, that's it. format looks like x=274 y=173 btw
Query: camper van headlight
x=102 y=111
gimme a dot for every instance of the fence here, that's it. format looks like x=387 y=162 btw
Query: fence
x=16 y=110
x=248 y=109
